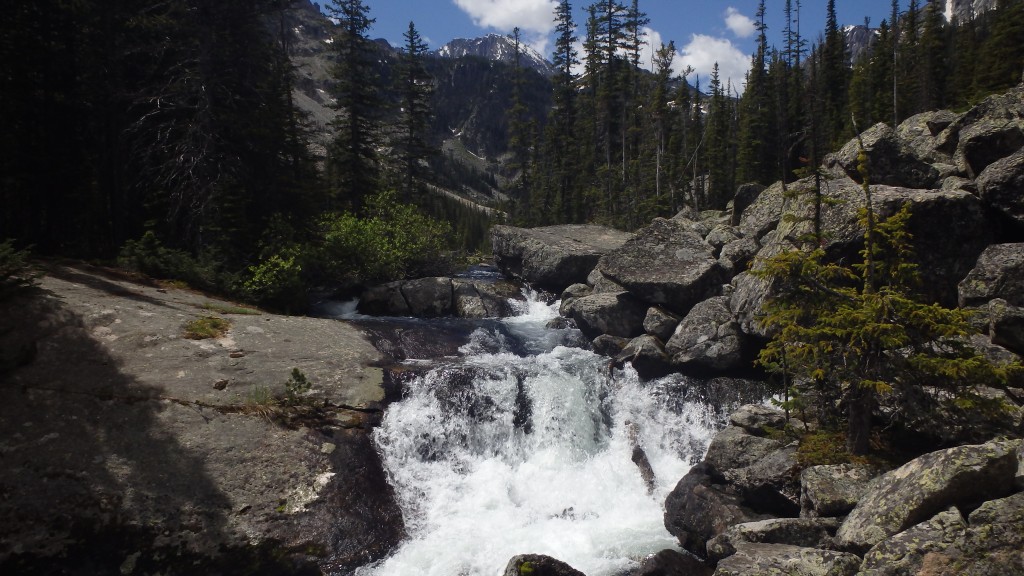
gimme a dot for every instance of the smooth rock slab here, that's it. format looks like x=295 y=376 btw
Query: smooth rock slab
x=553 y=257
x=769 y=559
x=914 y=492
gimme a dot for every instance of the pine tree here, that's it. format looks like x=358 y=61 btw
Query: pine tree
x=719 y=144
x=416 y=88
x=353 y=166
x=757 y=126
x=564 y=151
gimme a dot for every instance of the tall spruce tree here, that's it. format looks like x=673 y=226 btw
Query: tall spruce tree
x=353 y=166
x=757 y=126
x=416 y=86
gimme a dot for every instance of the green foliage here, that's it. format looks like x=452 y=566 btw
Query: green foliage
x=149 y=256
x=526 y=569
x=15 y=271
x=277 y=282
x=393 y=241
x=296 y=387
x=846 y=336
x=206 y=327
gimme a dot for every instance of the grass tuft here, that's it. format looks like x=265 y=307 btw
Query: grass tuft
x=206 y=327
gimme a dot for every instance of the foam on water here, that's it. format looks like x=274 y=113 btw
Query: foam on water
x=503 y=454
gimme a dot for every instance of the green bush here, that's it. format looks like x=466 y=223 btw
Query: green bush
x=393 y=241
x=150 y=257
x=15 y=271
x=277 y=282
x=206 y=327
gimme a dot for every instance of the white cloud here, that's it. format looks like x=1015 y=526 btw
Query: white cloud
x=702 y=52
x=535 y=16
x=740 y=25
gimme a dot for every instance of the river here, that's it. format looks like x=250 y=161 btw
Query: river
x=523 y=442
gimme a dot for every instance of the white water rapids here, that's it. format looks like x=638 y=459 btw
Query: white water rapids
x=495 y=454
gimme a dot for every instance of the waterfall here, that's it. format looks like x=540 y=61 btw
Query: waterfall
x=523 y=444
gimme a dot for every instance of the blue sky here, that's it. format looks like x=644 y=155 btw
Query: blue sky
x=703 y=31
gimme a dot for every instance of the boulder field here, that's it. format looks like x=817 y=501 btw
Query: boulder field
x=678 y=296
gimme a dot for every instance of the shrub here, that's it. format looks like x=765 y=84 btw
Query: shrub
x=393 y=241
x=206 y=327
x=277 y=282
x=150 y=257
x=15 y=271
x=296 y=387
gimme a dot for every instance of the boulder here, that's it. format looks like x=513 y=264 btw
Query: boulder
x=748 y=294
x=752 y=558
x=733 y=448
x=616 y=314
x=384 y=300
x=660 y=323
x=666 y=263
x=467 y=300
x=918 y=134
x=1001 y=185
x=764 y=214
x=539 y=565
x=736 y=256
x=608 y=345
x=602 y=283
x=992 y=130
x=805 y=532
x=1006 y=325
x=746 y=194
x=708 y=338
x=832 y=490
x=995 y=539
x=771 y=484
x=647 y=355
x=672 y=563
x=904 y=553
x=697 y=510
x=571 y=294
x=961 y=476
x=720 y=236
x=944 y=253
x=429 y=297
x=756 y=419
x=553 y=257
x=998 y=273
x=889 y=162
x=478 y=299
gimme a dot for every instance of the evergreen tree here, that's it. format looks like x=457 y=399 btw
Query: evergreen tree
x=353 y=166
x=564 y=150
x=416 y=87
x=1001 y=66
x=719 y=146
x=757 y=126
x=833 y=86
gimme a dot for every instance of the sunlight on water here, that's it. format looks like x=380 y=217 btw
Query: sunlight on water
x=502 y=454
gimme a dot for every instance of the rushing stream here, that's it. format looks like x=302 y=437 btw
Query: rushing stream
x=523 y=444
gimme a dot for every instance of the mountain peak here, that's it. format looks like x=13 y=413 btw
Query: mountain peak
x=498 y=47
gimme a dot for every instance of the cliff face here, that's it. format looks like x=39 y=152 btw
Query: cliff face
x=966 y=10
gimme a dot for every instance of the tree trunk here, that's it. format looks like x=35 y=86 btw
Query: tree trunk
x=860 y=404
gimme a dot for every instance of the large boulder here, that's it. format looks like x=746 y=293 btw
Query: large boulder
x=992 y=130
x=745 y=195
x=616 y=314
x=763 y=215
x=384 y=300
x=539 y=565
x=889 y=162
x=918 y=136
x=1001 y=185
x=553 y=257
x=429 y=297
x=771 y=484
x=733 y=448
x=475 y=299
x=832 y=490
x=647 y=355
x=914 y=492
x=666 y=263
x=660 y=323
x=998 y=273
x=697 y=510
x=806 y=532
x=708 y=338
x=1006 y=325
x=904 y=553
x=753 y=558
